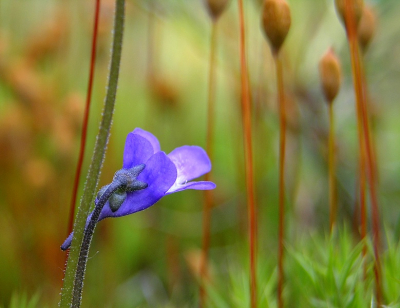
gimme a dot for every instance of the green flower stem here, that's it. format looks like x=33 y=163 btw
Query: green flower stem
x=87 y=238
x=97 y=159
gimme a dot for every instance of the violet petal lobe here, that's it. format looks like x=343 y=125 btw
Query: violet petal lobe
x=191 y=162
x=150 y=137
x=160 y=174
x=199 y=185
x=137 y=150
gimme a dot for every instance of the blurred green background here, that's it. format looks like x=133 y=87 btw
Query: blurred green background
x=149 y=259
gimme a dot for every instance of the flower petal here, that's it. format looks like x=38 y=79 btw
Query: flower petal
x=159 y=174
x=200 y=185
x=137 y=150
x=190 y=161
x=150 y=137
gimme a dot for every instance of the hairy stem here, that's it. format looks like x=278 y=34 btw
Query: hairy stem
x=208 y=195
x=87 y=239
x=246 y=122
x=97 y=158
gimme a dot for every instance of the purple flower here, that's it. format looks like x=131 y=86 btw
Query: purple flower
x=163 y=174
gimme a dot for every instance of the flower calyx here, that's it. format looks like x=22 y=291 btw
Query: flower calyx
x=125 y=180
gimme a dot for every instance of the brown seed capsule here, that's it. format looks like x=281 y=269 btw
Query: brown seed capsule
x=216 y=7
x=276 y=22
x=357 y=7
x=366 y=27
x=330 y=75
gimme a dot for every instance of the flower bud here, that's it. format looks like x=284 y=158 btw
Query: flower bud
x=276 y=22
x=357 y=8
x=366 y=27
x=330 y=75
x=216 y=7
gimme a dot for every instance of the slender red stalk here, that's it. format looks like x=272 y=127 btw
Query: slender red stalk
x=208 y=195
x=363 y=118
x=362 y=187
x=363 y=208
x=366 y=98
x=246 y=121
x=331 y=167
x=85 y=118
x=150 y=43
x=282 y=150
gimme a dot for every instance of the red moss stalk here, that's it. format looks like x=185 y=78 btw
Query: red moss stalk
x=331 y=167
x=352 y=15
x=276 y=21
x=208 y=195
x=363 y=208
x=214 y=8
x=85 y=119
x=365 y=34
x=246 y=122
x=282 y=151
x=331 y=77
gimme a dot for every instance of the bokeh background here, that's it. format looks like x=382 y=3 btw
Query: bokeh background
x=150 y=259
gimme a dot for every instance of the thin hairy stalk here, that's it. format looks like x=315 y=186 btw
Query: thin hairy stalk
x=282 y=150
x=246 y=123
x=331 y=169
x=208 y=195
x=363 y=119
x=87 y=239
x=85 y=118
x=97 y=158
